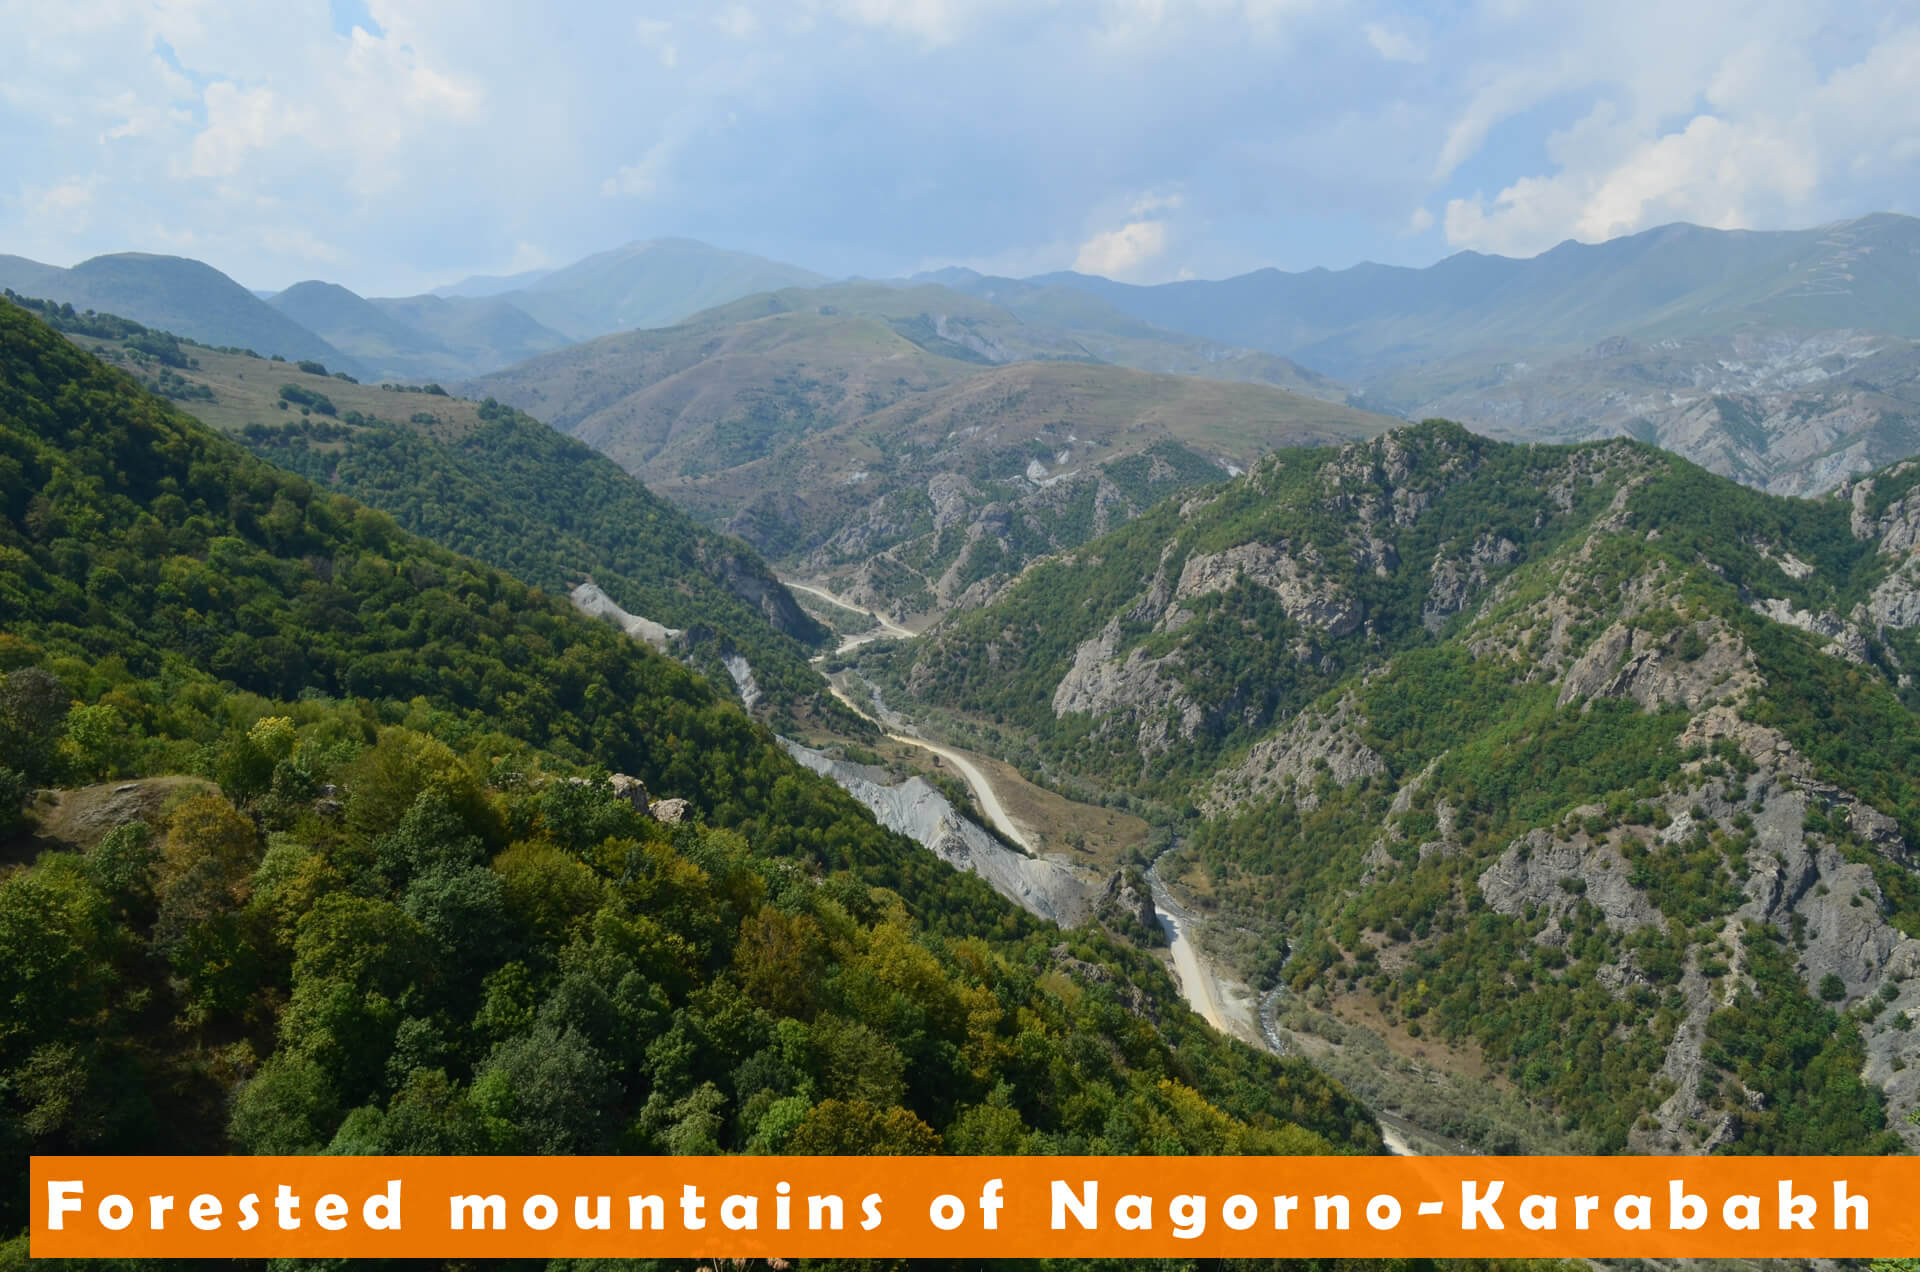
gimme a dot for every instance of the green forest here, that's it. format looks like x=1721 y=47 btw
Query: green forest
x=398 y=907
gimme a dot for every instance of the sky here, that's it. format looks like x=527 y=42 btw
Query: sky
x=396 y=145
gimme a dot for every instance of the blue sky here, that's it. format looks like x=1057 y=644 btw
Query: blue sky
x=393 y=145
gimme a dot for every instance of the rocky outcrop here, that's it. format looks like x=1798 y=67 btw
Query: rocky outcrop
x=1843 y=638
x=1693 y=666
x=1125 y=905
x=748 y=579
x=632 y=790
x=1136 y=690
x=1299 y=578
x=589 y=599
x=1552 y=873
x=1314 y=747
x=671 y=812
x=915 y=808
x=1455 y=578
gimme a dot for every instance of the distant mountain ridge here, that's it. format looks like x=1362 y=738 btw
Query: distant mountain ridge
x=915 y=443
x=651 y=283
x=1721 y=345
x=478 y=325
x=173 y=293
x=1674 y=281
x=1653 y=335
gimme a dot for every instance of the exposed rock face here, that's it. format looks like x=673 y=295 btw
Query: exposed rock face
x=632 y=790
x=1292 y=763
x=916 y=809
x=1136 y=690
x=742 y=673
x=1897 y=528
x=749 y=581
x=1843 y=638
x=1790 y=412
x=1126 y=903
x=1457 y=578
x=1554 y=874
x=1657 y=671
x=671 y=812
x=589 y=599
x=1298 y=579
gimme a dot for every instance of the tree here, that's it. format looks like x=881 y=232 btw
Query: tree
x=33 y=712
x=855 y=1128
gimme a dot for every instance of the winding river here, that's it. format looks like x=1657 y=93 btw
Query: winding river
x=1199 y=983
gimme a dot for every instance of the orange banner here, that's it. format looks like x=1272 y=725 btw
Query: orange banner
x=974 y=1207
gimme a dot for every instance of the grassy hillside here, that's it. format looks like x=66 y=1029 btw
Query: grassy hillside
x=398 y=927
x=829 y=428
x=174 y=294
x=1108 y=333
x=654 y=283
x=418 y=337
x=1578 y=769
x=492 y=483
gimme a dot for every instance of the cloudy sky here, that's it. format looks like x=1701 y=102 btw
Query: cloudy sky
x=392 y=145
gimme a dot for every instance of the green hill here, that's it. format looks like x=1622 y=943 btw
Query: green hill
x=1576 y=770
x=504 y=488
x=390 y=923
x=419 y=337
x=174 y=294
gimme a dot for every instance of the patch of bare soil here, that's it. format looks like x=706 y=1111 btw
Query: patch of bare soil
x=81 y=817
x=1358 y=1008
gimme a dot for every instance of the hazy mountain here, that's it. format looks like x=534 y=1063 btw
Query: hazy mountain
x=419 y=337
x=483 y=333
x=928 y=441
x=478 y=286
x=1107 y=333
x=357 y=326
x=653 y=283
x=1675 y=281
x=1559 y=798
x=186 y=297
x=1721 y=344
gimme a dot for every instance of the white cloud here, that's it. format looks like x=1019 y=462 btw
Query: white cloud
x=932 y=22
x=1420 y=222
x=657 y=34
x=737 y=21
x=1393 y=43
x=69 y=203
x=1777 y=144
x=647 y=178
x=1123 y=253
x=1156 y=201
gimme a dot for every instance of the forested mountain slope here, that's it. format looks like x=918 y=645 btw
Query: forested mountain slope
x=390 y=921
x=1595 y=770
x=495 y=484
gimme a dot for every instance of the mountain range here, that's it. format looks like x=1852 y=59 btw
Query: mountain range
x=1558 y=798
x=916 y=445
x=1549 y=797
x=309 y=844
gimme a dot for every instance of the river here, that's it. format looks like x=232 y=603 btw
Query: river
x=1199 y=983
